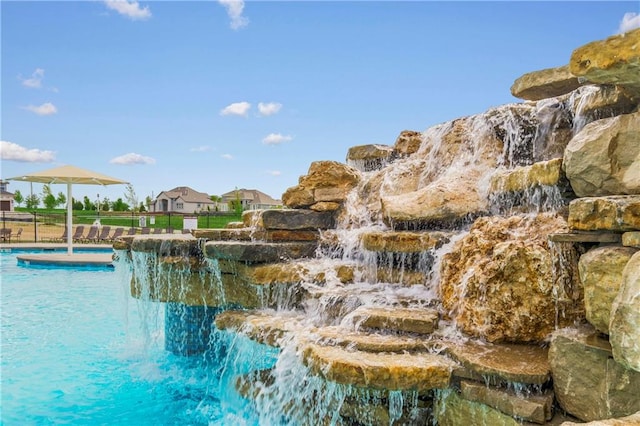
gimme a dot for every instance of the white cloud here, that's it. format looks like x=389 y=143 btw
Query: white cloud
x=132 y=158
x=269 y=108
x=14 y=152
x=237 y=108
x=35 y=82
x=276 y=139
x=234 y=10
x=274 y=172
x=201 y=148
x=227 y=156
x=130 y=9
x=630 y=21
x=45 y=109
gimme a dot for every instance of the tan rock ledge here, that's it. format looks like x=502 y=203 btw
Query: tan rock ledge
x=293 y=272
x=419 y=321
x=613 y=213
x=370 y=342
x=385 y=371
x=546 y=173
x=259 y=252
x=509 y=362
x=547 y=83
x=615 y=60
x=403 y=242
x=537 y=408
x=264 y=327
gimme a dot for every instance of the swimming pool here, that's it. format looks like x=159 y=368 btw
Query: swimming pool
x=78 y=349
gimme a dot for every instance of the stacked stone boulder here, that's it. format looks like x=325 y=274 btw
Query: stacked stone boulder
x=529 y=239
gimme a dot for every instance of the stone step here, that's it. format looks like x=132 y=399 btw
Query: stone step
x=585 y=237
x=369 y=342
x=264 y=327
x=289 y=219
x=537 y=408
x=384 y=371
x=293 y=272
x=404 y=241
x=495 y=363
x=404 y=320
x=259 y=252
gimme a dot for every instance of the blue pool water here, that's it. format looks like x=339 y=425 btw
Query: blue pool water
x=77 y=349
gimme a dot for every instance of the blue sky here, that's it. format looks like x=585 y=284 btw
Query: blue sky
x=217 y=95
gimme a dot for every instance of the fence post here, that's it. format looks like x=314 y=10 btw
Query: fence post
x=35 y=226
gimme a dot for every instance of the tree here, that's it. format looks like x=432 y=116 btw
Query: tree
x=131 y=197
x=105 y=204
x=18 y=198
x=148 y=201
x=32 y=201
x=61 y=199
x=120 y=206
x=76 y=204
x=49 y=201
x=142 y=208
x=88 y=204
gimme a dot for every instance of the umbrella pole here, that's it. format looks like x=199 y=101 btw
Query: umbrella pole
x=69 y=220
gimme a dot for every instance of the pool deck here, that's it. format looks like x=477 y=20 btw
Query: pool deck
x=56 y=254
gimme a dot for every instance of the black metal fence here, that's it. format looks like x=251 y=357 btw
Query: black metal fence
x=50 y=227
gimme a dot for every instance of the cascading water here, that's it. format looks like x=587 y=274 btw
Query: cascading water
x=284 y=384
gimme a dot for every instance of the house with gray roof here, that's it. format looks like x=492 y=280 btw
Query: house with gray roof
x=185 y=200
x=6 y=197
x=251 y=199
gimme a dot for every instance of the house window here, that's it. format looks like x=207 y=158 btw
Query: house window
x=179 y=206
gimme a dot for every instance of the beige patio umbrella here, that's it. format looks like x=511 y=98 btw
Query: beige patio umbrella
x=69 y=175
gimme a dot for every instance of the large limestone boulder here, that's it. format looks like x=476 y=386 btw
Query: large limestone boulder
x=498 y=282
x=326 y=181
x=600 y=272
x=625 y=318
x=587 y=382
x=547 y=83
x=615 y=60
x=604 y=158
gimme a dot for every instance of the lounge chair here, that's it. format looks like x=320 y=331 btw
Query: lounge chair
x=77 y=234
x=18 y=235
x=116 y=234
x=91 y=236
x=146 y=230
x=132 y=231
x=5 y=235
x=157 y=231
x=104 y=233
